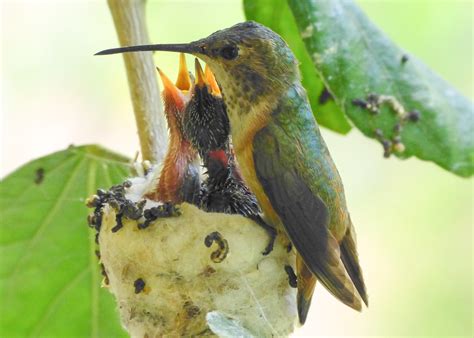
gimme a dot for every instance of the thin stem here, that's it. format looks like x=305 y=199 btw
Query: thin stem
x=129 y=19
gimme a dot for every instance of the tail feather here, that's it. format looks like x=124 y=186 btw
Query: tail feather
x=306 y=284
x=350 y=259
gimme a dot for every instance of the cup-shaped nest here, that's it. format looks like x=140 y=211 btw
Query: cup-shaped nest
x=169 y=266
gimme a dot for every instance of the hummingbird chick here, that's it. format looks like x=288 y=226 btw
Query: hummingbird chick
x=179 y=179
x=206 y=123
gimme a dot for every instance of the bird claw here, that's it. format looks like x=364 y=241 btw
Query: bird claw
x=271 y=231
x=269 y=247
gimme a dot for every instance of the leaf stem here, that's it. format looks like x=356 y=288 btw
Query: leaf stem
x=129 y=19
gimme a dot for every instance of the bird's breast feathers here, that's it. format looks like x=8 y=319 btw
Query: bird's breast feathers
x=244 y=126
x=245 y=157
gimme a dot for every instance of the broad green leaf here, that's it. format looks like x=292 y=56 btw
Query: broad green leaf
x=355 y=59
x=223 y=326
x=49 y=276
x=277 y=15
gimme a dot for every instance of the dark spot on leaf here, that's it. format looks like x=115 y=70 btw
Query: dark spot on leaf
x=404 y=59
x=39 y=175
x=378 y=133
x=324 y=96
x=414 y=116
x=359 y=103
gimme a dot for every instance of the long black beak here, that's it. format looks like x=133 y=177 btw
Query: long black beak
x=189 y=48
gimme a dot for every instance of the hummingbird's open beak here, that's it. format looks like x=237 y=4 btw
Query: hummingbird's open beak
x=206 y=78
x=171 y=93
x=198 y=72
x=184 y=80
x=211 y=80
x=190 y=48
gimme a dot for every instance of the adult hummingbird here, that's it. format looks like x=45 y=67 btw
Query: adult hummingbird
x=282 y=156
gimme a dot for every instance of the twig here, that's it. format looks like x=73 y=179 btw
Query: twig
x=129 y=20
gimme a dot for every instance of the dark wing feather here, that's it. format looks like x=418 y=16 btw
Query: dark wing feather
x=304 y=216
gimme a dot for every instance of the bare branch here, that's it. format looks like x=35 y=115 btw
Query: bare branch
x=129 y=19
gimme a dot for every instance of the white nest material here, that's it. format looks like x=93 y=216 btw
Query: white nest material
x=165 y=279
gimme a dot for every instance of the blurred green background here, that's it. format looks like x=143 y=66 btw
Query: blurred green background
x=414 y=220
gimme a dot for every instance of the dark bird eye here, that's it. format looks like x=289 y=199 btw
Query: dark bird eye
x=229 y=52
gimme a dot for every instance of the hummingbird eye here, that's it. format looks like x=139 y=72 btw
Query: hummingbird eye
x=229 y=52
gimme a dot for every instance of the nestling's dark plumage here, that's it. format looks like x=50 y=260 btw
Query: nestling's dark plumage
x=224 y=191
x=206 y=123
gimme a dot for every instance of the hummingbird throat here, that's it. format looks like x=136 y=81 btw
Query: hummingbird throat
x=247 y=112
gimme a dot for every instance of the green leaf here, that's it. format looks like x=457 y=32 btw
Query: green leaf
x=354 y=59
x=49 y=276
x=277 y=15
x=224 y=326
